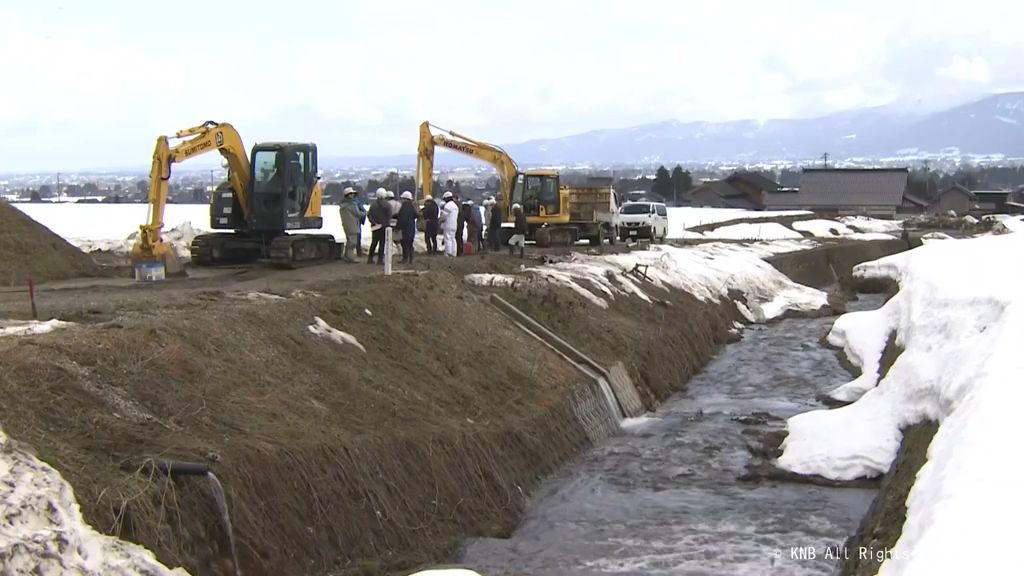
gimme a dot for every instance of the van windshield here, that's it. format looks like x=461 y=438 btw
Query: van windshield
x=636 y=209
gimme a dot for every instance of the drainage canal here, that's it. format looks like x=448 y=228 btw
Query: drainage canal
x=664 y=497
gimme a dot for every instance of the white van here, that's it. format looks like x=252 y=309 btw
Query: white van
x=643 y=220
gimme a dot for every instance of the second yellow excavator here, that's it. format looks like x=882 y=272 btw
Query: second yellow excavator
x=555 y=214
x=267 y=193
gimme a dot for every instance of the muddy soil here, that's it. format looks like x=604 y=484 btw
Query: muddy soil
x=334 y=460
x=30 y=250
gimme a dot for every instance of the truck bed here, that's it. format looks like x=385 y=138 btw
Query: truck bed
x=587 y=204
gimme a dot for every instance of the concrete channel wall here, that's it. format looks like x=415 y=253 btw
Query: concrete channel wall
x=609 y=395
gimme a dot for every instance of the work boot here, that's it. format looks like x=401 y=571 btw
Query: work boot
x=369 y=260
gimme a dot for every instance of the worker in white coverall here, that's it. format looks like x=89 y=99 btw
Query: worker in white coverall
x=449 y=222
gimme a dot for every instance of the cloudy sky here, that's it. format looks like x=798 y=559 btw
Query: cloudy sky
x=91 y=84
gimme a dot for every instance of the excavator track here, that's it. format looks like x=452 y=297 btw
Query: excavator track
x=224 y=248
x=300 y=250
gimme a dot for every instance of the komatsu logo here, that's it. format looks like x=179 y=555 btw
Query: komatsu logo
x=460 y=147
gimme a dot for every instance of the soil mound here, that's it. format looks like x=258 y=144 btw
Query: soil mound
x=30 y=250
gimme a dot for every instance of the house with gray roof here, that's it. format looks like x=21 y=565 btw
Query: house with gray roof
x=877 y=192
x=745 y=190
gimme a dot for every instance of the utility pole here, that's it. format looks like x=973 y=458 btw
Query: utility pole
x=825 y=158
x=58 y=187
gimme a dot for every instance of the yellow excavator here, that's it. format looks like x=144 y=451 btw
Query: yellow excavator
x=555 y=214
x=267 y=193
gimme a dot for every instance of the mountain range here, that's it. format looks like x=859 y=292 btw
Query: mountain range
x=993 y=125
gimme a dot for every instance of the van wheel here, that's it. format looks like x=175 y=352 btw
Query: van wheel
x=614 y=236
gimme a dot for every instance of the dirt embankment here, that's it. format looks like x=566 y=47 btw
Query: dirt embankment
x=883 y=524
x=833 y=263
x=333 y=460
x=30 y=250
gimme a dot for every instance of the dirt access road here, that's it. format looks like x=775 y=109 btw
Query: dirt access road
x=101 y=299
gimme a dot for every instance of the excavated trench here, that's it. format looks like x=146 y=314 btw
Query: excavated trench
x=666 y=497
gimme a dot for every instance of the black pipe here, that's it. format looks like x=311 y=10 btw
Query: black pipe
x=168 y=467
x=183 y=468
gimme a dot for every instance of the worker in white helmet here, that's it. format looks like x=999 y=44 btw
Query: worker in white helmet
x=379 y=217
x=518 y=232
x=449 y=222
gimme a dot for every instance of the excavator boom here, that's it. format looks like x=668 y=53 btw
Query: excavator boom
x=493 y=155
x=195 y=141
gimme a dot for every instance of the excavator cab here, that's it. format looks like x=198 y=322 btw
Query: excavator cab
x=539 y=193
x=285 y=195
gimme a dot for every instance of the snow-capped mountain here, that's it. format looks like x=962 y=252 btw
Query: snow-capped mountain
x=993 y=125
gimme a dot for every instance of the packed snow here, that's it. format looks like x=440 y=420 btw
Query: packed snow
x=490 y=279
x=682 y=218
x=31 y=327
x=42 y=530
x=321 y=328
x=711 y=272
x=822 y=228
x=959 y=318
x=865 y=224
x=749 y=231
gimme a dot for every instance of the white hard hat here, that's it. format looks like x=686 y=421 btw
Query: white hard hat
x=447 y=195
x=391 y=194
x=406 y=195
x=382 y=193
x=349 y=190
x=470 y=202
x=516 y=206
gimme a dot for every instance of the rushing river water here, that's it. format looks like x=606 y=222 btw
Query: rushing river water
x=664 y=498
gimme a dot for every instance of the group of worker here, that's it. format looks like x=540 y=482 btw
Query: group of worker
x=458 y=224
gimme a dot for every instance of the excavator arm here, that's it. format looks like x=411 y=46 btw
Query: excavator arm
x=493 y=155
x=195 y=141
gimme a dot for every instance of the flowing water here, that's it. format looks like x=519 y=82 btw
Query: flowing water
x=663 y=497
x=225 y=519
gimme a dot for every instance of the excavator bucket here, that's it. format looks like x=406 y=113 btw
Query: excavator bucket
x=161 y=263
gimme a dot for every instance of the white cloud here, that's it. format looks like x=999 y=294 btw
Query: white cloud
x=962 y=69
x=117 y=73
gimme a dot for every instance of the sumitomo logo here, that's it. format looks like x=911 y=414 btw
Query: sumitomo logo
x=218 y=137
x=460 y=147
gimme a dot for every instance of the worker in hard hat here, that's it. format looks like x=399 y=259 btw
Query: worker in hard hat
x=352 y=214
x=407 y=226
x=449 y=222
x=518 y=232
x=380 y=218
x=431 y=212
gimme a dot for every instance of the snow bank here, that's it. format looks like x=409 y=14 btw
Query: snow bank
x=30 y=328
x=42 y=530
x=766 y=231
x=871 y=236
x=959 y=316
x=679 y=219
x=865 y=224
x=822 y=228
x=321 y=328
x=933 y=236
x=491 y=279
x=709 y=271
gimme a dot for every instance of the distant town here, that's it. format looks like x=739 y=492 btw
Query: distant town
x=920 y=185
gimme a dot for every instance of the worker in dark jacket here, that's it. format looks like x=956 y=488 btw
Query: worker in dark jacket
x=518 y=232
x=380 y=218
x=494 y=228
x=430 y=215
x=475 y=228
x=460 y=228
x=407 y=225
